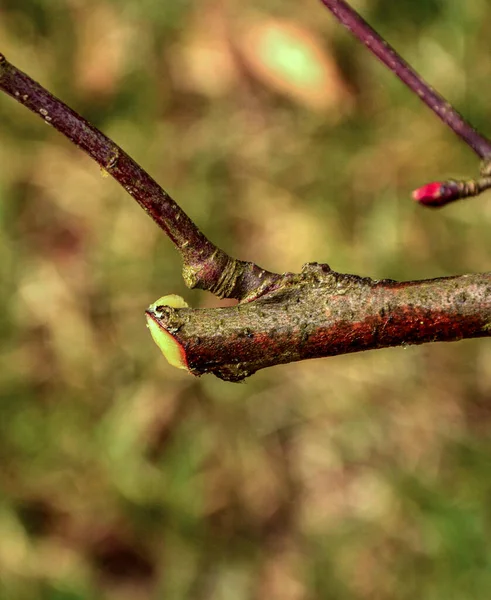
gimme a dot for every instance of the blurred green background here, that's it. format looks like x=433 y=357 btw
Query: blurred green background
x=356 y=477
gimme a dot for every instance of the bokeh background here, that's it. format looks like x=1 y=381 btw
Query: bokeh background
x=355 y=477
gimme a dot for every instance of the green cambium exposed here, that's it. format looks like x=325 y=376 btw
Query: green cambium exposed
x=170 y=348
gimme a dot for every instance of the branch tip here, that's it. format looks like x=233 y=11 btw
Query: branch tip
x=433 y=194
x=440 y=193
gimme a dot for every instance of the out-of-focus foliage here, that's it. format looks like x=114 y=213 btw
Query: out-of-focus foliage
x=356 y=477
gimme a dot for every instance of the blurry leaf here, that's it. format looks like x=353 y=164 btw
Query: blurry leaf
x=293 y=61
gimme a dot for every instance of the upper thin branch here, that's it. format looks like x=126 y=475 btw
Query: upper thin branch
x=440 y=193
x=391 y=59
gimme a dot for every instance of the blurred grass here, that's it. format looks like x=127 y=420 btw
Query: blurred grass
x=363 y=476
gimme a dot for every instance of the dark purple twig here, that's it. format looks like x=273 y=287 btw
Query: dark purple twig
x=205 y=265
x=385 y=53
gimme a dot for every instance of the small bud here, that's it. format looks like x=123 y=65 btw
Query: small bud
x=437 y=193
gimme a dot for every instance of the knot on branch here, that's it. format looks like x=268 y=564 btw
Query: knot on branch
x=217 y=273
x=225 y=284
x=316 y=271
x=227 y=277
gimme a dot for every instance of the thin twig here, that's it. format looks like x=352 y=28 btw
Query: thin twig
x=348 y=17
x=205 y=265
x=320 y=313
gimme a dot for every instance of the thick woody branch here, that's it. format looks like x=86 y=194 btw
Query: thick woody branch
x=322 y=313
x=205 y=265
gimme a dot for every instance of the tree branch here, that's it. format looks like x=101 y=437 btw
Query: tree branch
x=205 y=266
x=439 y=193
x=321 y=313
x=348 y=17
x=289 y=317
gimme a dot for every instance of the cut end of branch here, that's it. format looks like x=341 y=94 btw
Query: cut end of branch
x=169 y=346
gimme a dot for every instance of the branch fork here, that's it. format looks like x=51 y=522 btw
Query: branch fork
x=317 y=313
x=286 y=317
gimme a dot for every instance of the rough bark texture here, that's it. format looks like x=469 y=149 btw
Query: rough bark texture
x=323 y=313
x=285 y=318
x=205 y=266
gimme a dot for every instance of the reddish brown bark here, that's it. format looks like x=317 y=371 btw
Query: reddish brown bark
x=322 y=313
x=285 y=318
